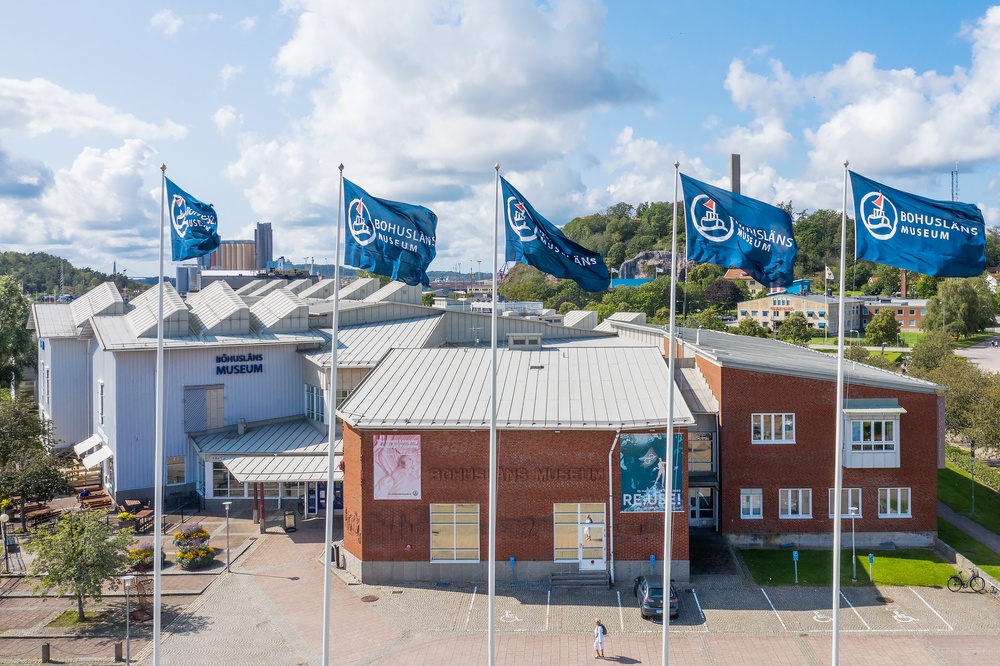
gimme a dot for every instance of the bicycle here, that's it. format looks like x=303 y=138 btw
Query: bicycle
x=975 y=582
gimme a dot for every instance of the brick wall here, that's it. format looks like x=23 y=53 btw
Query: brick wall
x=536 y=470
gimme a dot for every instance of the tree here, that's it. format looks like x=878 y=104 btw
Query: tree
x=883 y=329
x=79 y=557
x=993 y=246
x=724 y=293
x=856 y=353
x=17 y=346
x=962 y=307
x=750 y=327
x=794 y=329
x=929 y=351
x=705 y=274
x=708 y=318
x=927 y=286
x=27 y=467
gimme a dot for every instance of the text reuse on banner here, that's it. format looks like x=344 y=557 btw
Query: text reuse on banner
x=643 y=461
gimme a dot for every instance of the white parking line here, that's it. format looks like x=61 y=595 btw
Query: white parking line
x=704 y=621
x=774 y=609
x=548 y=605
x=468 y=616
x=950 y=628
x=855 y=611
x=621 y=616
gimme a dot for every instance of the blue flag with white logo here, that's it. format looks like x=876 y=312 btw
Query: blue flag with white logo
x=739 y=232
x=936 y=238
x=533 y=240
x=388 y=237
x=194 y=226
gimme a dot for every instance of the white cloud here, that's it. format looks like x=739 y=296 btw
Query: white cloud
x=166 y=21
x=226 y=117
x=229 y=72
x=247 y=24
x=40 y=106
x=424 y=115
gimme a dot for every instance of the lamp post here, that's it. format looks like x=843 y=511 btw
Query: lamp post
x=854 y=557
x=127 y=580
x=3 y=536
x=227 y=505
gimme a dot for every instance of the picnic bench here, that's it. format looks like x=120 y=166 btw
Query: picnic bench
x=144 y=521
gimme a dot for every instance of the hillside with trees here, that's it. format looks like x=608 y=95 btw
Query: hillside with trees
x=40 y=274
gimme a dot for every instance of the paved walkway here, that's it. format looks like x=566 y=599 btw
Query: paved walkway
x=989 y=539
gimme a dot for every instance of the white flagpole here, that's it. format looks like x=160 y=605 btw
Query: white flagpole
x=331 y=405
x=838 y=472
x=669 y=475
x=158 y=446
x=492 y=573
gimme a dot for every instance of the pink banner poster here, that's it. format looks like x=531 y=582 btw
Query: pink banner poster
x=397 y=466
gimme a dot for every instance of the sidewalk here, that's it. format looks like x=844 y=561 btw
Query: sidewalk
x=989 y=539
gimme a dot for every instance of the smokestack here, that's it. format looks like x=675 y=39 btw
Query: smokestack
x=734 y=173
x=902 y=284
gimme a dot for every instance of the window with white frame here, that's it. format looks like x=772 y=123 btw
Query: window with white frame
x=100 y=403
x=772 y=428
x=224 y=484
x=454 y=532
x=894 y=503
x=873 y=434
x=48 y=386
x=795 y=503
x=751 y=503
x=342 y=395
x=849 y=497
x=315 y=403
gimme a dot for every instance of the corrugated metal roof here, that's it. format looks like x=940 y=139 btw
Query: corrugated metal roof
x=267 y=288
x=572 y=388
x=250 y=287
x=102 y=299
x=775 y=357
x=271 y=469
x=54 y=320
x=144 y=316
x=364 y=346
x=114 y=334
x=696 y=392
x=217 y=309
x=298 y=286
x=297 y=436
x=397 y=292
x=281 y=310
x=873 y=405
x=580 y=319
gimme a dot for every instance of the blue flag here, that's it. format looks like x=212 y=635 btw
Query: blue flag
x=194 y=226
x=736 y=231
x=534 y=240
x=936 y=238
x=388 y=237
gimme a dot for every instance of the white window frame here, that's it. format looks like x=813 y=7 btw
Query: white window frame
x=752 y=503
x=888 y=494
x=760 y=420
x=848 y=497
x=315 y=403
x=100 y=402
x=802 y=496
x=861 y=445
x=48 y=386
x=435 y=552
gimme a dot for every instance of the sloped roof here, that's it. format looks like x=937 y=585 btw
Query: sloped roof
x=102 y=299
x=143 y=317
x=281 y=310
x=217 y=309
x=364 y=346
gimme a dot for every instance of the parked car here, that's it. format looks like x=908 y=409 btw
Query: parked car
x=649 y=592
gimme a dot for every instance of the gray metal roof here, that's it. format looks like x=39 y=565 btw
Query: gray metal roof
x=571 y=388
x=53 y=320
x=299 y=436
x=114 y=334
x=397 y=292
x=144 y=314
x=764 y=355
x=102 y=299
x=271 y=469
x=218 y=309
x=696 y=391
x=281 y=310
x=363 y=346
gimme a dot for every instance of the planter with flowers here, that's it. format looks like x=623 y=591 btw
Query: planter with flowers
x=141 y=557
x=189 y=533
x=126 y=518
x=195 y=554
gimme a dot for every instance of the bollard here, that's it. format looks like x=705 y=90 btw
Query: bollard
x=118 y=652
x=45 y=653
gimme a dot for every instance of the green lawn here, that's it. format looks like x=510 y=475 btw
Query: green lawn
x=955 y=490
x=962 y=343
x=920 y=567
x=972 y=549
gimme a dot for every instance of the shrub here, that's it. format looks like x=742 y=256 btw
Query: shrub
x=126 y=517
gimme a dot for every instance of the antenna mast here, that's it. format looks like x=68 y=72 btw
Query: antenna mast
x=954 y=183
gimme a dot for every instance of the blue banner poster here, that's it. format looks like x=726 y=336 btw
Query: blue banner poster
x=643 y=471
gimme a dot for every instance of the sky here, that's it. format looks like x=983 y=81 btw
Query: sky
x=252 y=105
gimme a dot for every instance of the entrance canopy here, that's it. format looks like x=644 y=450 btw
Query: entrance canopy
x=97 y=457
x=85 y=447
x=265 y=469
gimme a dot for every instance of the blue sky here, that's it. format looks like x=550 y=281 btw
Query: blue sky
x=252 y=106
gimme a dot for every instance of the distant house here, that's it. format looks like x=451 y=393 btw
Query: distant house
x=739 y=274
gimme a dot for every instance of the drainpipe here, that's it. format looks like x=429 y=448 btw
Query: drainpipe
x=611 y=507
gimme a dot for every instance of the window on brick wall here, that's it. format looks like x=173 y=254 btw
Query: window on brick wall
x=848 y=497
x=894 y=503
x=454 y=532
x=772 y=428
x=873 y=434
x=795 y=503
x=751 y=503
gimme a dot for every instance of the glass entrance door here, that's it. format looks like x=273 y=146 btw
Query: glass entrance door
x=580 y=534
x=701 y=504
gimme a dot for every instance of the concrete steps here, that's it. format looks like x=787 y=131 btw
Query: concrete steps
x=580 y=580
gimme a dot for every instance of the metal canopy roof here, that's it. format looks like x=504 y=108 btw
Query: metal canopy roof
x=97 y=457
x=297 y=436
x=87 y=444
x=270 y=469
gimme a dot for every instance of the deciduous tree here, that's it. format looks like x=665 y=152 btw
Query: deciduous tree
x=794 y=329
x=883 y=329
x=17 y=347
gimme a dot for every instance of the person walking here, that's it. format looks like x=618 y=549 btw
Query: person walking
x=598 y=639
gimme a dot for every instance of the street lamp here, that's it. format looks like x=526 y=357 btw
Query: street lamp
x=854 y=557
x=227 y=505
x=3 y=535
x=127 y=579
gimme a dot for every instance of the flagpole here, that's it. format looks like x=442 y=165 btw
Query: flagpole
x=331 y=406
x=838 y=472
x=669 y=476
x=158 y=446
x=492 y=573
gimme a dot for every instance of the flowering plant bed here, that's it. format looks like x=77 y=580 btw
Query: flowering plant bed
x=126 y=517
x=141 y=557
x=190 y=533
x=195 y=554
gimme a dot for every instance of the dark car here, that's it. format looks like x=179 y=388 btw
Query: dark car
x=649 y=591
